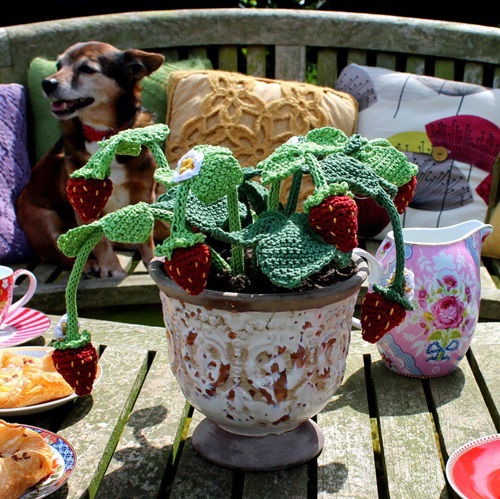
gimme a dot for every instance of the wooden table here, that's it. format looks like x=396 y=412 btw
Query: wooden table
x=385 y=435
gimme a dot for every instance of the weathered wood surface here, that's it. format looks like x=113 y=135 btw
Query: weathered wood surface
x=232 y=27
x=133 y=436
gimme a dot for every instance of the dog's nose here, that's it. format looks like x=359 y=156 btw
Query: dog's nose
x=49 y=85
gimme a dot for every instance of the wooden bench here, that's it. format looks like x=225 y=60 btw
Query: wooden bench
x=284 y=44
x=385 y=435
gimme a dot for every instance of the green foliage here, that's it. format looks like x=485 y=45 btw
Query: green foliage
x=211 y=199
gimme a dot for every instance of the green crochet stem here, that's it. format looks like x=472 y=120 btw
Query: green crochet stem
x=316 y=172
x=178 y=226
x=73 y=337
x=237 y=255
x=218 y=261
x=273 y=199
x=158 y=155
x=395 y=291
x=293 y=194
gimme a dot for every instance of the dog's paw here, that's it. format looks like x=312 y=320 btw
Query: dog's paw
x=95 y=268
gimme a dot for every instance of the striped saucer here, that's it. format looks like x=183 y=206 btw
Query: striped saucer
x=22 y=325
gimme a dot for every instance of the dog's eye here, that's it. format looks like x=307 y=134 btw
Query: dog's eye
x=58 y=65
x=87 y=69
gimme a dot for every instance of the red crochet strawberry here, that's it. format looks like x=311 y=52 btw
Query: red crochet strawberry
x=78 y=366
x=379 y=315
x=336 y=221
x=405 y=195
x=88 y=196
x=189 y=267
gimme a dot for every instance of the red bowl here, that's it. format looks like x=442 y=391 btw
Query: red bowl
x=473 y=470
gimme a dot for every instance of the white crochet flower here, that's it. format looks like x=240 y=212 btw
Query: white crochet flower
x=60 y=327
x=188 y=166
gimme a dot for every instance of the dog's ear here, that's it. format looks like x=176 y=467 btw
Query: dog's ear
x=138 y=63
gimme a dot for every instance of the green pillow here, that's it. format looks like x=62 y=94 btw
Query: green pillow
x=154 y=97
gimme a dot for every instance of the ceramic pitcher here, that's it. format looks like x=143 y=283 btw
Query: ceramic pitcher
x=444 y=286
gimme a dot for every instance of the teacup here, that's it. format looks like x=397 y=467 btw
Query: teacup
x=8 y=279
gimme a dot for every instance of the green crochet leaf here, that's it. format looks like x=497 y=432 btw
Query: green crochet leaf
x=383 y=158
x=204 y=217
x=282 y=163
x=132 y=224
x=219 y=174
x=164 y=177
x=294 y=252
x=324 y=141
x=265 y=226
x=256 y=195
x=71 y=242
x=127 y=142
x=340 y=167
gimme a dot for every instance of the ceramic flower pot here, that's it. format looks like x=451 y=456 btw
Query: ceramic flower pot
x=258 y=366
x=444 y=265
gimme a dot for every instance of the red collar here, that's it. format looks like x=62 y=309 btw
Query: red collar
x=93 y=135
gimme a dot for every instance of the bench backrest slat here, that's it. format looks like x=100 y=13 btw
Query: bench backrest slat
x=286 y=37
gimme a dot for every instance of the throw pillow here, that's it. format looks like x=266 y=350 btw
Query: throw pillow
x=14 y=171
x=154 y=97
x=450 y=129
x=251 y=116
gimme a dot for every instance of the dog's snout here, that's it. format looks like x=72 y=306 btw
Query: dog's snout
x=49 y=85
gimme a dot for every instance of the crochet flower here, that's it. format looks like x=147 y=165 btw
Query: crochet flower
x=188 y=166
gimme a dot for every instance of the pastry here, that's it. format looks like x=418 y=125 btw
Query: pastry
x=25 y=459
x=28 y=380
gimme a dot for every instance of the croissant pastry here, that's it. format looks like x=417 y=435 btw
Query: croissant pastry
x=25 y=459
x=28 y=380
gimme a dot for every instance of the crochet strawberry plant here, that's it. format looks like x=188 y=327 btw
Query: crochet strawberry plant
x=228 y=220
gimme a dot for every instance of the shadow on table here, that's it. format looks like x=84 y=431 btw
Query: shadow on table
x=364 y=390
x=139 y=458
x=332 y=478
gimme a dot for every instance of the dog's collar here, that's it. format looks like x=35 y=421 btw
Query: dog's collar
x=93 y=135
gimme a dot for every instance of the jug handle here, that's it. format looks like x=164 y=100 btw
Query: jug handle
x=374 y=276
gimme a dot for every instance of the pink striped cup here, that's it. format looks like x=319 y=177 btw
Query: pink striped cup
x=7 y=281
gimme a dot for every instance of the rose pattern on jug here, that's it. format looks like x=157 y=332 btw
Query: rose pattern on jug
x=256 y=373
x=435 y=336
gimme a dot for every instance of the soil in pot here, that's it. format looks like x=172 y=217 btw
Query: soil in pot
x=257 y=282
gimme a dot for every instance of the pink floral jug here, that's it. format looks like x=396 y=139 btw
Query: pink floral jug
x=445 y=289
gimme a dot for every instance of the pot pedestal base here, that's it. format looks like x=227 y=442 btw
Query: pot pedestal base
x=267 y=453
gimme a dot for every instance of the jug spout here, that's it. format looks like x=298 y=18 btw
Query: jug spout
x=445 y=235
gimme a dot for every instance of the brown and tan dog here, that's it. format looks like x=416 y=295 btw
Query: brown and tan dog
x=95 y=93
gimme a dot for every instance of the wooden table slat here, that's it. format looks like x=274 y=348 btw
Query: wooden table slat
x=412 y=459
x=346 y=467
x=484 y=362
x=196 y=477
x=95 y=423
x=462 y=414
x=146 y=445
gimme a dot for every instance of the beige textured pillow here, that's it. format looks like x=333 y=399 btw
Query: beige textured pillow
x=251 y=116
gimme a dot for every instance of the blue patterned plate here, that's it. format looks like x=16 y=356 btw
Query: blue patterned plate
x=65 y=456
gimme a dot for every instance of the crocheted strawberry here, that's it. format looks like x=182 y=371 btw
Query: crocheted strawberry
x=335 y=219
x=88 y=196
x=379 y=315
x=78 y=366
x=405 y=195
x=189 y=267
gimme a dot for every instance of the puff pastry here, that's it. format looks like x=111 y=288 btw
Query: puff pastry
x=25 y=459
x=28 y=380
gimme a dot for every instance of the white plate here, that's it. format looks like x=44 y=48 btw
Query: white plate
x=45 y=406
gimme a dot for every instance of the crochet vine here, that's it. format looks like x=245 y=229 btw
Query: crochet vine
x=212 y=203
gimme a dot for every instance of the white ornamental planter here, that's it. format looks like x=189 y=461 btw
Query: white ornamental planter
x=259 y=366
